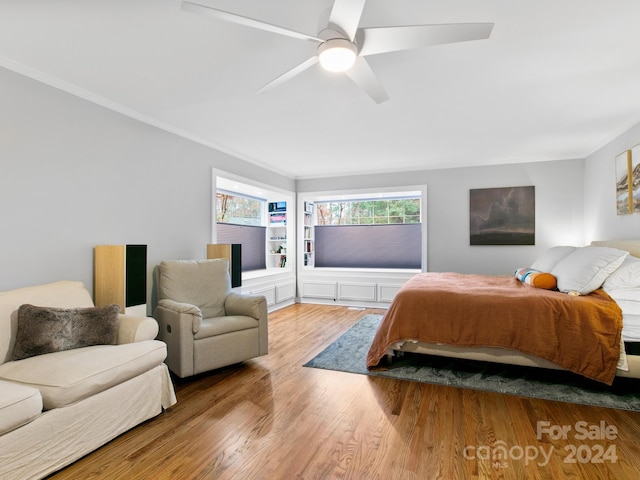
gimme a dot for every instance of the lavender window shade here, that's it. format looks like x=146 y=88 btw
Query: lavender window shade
x=369 y=246
x=252 y=238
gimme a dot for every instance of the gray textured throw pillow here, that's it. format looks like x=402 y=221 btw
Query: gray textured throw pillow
x=45 y=330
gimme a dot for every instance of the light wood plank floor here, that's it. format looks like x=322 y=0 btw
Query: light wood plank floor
x=270 y=418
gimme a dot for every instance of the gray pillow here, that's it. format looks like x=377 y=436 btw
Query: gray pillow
x=46 y=330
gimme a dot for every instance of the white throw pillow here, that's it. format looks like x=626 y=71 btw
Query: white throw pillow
x=551 y=257
x=585 y=269
x=627 y=275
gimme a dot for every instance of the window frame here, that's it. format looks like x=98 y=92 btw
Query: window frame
x=242 y=186
x=402 y=191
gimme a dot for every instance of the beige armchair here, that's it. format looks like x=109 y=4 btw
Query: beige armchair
x=204 y=324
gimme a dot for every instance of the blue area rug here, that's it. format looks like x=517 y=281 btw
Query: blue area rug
x=349 y=352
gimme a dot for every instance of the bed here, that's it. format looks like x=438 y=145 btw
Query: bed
x=587 y=321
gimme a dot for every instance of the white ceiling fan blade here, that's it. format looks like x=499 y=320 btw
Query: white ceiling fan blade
x=246 y=21
x=345 y=15
x=363 y=76
x=289 y=74
x=391 y=39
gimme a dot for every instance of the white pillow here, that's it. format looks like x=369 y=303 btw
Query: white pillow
x=626 y=275
x=551 y=257
x=585 y=269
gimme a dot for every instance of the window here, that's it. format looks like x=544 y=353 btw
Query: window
x=369 y=212
x=238 y=220
x=241 y=210
x=384 y=231
x=252 y=238
x=241 y=217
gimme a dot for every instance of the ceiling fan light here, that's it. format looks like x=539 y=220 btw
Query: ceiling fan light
x=337 y=55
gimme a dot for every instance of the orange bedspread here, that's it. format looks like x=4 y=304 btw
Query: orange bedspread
x=578 y=333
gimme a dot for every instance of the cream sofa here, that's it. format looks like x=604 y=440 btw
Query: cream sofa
x=57 y=407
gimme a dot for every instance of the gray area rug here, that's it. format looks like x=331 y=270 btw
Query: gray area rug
x=349 y=352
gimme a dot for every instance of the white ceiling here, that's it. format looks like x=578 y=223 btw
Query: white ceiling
x=556 y=79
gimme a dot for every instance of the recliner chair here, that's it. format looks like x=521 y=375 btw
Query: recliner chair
x=204 y=324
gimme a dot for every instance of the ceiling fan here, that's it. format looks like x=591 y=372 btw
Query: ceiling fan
x=343 y=45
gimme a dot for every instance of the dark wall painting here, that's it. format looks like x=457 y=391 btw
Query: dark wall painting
x=502 y=216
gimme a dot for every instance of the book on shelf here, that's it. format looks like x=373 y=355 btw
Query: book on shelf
x=277 y=218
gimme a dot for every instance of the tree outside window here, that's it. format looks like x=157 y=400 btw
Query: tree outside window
x=369 y=212
x=238 y=209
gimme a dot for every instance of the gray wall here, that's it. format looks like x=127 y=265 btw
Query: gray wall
x=601 y=219
x=559 y=210
x=74 y=175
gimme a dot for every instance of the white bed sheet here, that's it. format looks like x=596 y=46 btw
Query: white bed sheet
x=628 y=299
x=630 y=328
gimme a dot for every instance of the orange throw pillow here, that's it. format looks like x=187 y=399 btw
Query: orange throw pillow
x=536 y=279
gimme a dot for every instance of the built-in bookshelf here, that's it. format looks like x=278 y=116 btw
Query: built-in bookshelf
x=277 y=235
x=308 y=246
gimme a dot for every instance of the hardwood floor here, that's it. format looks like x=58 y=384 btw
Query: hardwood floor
x=271 y=418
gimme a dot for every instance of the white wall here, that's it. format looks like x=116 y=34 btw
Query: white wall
x=74 y=175
x=559 y=210
x=601 y=219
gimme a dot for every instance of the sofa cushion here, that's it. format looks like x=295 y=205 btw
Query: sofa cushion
x=65 y=294
x=46 y=330
x=19 y=405
x=72 y=375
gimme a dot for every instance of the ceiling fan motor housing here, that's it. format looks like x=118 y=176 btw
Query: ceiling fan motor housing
x=337 y=54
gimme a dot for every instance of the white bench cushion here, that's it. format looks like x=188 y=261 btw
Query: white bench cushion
x=66 y=377
x=19 y=405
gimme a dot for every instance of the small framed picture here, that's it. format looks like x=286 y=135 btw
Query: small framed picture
x=624 y=198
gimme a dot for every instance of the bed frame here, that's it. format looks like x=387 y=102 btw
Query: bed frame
x=514 y=357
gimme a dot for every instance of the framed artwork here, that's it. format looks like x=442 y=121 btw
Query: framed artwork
x=624 y=181
x=502 y=216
